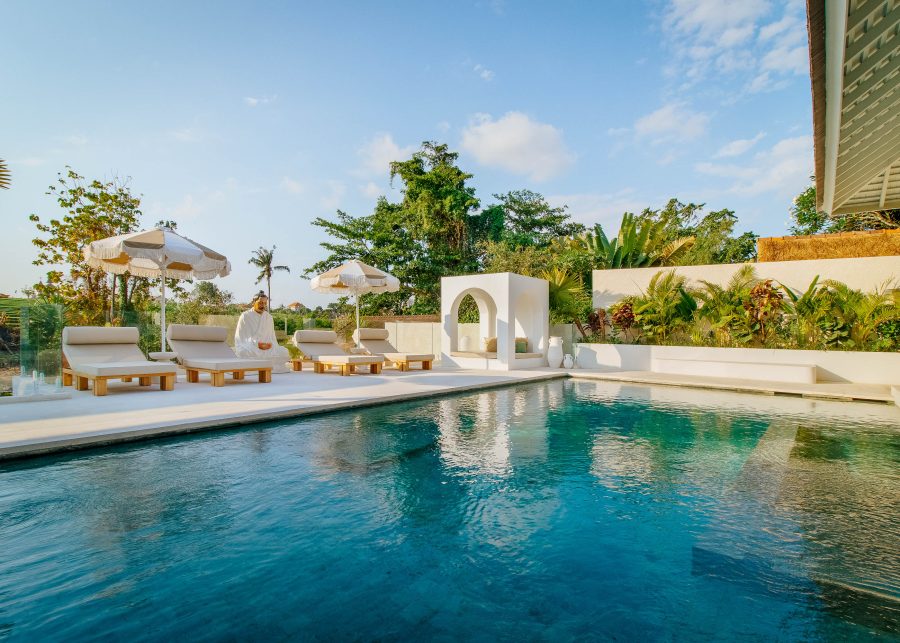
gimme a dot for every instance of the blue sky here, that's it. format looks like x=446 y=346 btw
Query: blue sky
x=246 y=122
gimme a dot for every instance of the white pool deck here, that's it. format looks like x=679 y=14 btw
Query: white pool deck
x=130 y=412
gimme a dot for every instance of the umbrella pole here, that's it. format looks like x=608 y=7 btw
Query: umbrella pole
x=162 y=311
x=357 y=320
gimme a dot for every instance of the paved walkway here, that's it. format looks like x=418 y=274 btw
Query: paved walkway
x=131 y=412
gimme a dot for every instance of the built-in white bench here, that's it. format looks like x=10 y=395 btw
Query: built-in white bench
x=486 y=355
x=794 y=373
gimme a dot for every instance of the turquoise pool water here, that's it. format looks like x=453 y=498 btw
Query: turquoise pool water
x=550 y=511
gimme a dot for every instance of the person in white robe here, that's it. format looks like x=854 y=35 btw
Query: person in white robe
x=254 y=337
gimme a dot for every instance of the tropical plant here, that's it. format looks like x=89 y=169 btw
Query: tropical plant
x=858 y=314
x=5 y=177
x=722 y=308
x=622 y=314
x=665 y=308
x=637 y=245
x=569 y=303
x=762 y=305
x=263 y=258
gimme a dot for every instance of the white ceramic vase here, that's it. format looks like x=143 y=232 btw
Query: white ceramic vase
x=568 y=361
x=555 y=352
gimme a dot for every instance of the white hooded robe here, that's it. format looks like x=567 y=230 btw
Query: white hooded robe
x=253 y=328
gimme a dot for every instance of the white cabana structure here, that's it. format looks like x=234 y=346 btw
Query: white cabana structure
x=854 y=51
x=354 y=278
x=510 y=306
x=160 y=254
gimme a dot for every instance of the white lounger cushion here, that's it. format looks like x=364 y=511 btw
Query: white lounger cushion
x=98 y=346
x=118 y=369
x=319 y=344
x=225 y=363
x=351 y=359
x=375 y=340
x=204 y=347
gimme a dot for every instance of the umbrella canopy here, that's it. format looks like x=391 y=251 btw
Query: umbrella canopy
x=157 y=253
x=354 y=278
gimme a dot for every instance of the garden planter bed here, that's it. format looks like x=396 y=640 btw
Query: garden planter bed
x=831 y=366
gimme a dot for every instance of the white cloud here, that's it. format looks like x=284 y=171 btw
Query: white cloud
x=738 y=39
x=292 y=186
x=31 y=161
x=483 y=72
x=769 y=31
x=783 y=169
x=253 y=101
x=787 y=59
x=376 y=155
x=739 y=146
x=605 y=209
x=334 y=194
x=443 y=126
x=516 y=143
x=715 y=19
x=77 y=140
x=186 y=135
x=674 y=122
x=371 y=190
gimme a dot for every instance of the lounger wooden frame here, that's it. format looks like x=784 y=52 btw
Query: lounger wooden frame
x=217 y=377
x=81 y=381
x=322 y=364
x=403 y=364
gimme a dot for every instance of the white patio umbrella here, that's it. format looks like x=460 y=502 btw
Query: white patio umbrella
x=355 y=278
x=157 y=253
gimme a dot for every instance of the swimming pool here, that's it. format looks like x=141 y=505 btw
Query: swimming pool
x=555 y=510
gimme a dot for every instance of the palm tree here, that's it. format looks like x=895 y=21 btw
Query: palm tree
x=262 y=258
x=637 y=245
x=4 y=175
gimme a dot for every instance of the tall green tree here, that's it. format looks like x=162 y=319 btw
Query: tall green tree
x=529 y=220
x=807 y=219
x=431 y=233
x=713 y=232
x=264 y=259
x=93 y=210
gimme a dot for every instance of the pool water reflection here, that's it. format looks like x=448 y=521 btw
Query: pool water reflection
x=557 y=510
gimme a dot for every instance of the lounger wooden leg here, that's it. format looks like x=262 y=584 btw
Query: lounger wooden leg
x=318 y=368
x=193 y=376
x=126 y=379
x=426 y=365
x=81 y=383
x=99 y=387
x=403 y=366
x=346 y=369
x=218 y=378
x=375 y=369
x=237 y=375
x=352 y=368
x=166 y=383
x=265 y=376
x=67 y=378
x=296 y=364
x=145 y=381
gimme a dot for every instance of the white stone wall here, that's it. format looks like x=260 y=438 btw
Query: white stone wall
x=863 y=273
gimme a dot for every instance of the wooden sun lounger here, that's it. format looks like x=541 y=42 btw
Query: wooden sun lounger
x=322 y=350
x=203 y=349
x=97 y=354
x=375 y=341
